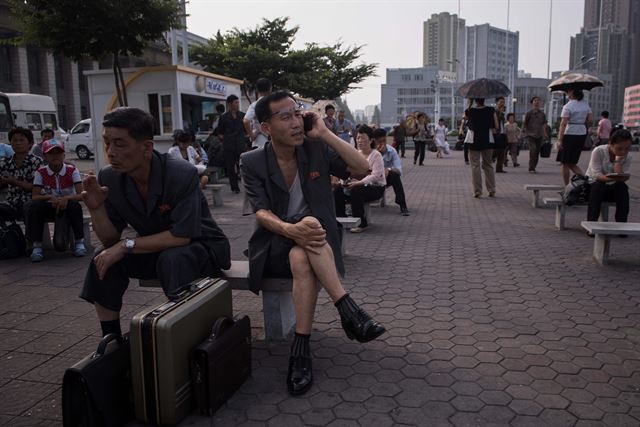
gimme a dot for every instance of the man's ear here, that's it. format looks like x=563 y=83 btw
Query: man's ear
x=148 y=147
x=266 y=128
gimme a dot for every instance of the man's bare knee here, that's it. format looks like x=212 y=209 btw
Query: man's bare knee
x=299 y=261
x=311 y=221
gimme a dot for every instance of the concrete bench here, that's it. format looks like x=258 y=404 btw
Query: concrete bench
x=214 y=174
x=561 y=210
x=216 y=192
x=603 y=232
x=47 y=241
x=347 y=223
x=277 y=303
x=537 y=188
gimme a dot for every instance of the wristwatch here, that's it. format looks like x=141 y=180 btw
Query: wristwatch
x=129 y=244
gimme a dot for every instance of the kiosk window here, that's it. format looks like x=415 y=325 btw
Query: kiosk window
x=160 y=109
x=33 y=121
x=165 y=101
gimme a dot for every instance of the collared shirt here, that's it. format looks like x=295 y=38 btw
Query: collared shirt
x=601 y=164
x=330 y=123
x=174 y=203
x=576 y=112
x=534 y=122
x=17 y=197
x=376 y=167
x=59 y=184
x=344 y=129
x=391 y=159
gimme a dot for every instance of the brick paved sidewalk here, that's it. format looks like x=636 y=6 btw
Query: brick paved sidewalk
x=494 y=318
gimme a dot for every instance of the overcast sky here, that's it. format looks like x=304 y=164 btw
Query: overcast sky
x=391 y=30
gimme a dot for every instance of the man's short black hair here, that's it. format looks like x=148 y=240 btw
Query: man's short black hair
x=379 y=133
x=264 y=85
x=137 y=122
x=231 y=98
x=605 y=114
x=499 y=98
x=46 y=130
x=329 y=107
x=533 y=98
x=366 y=130
x=511 y=115
x=21 y=131
x=263 y=107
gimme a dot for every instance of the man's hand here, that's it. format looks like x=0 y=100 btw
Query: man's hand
x=105 y=259
x=308 y=234
x=354 y=184
x=59 y=203
x=93 y=195
x=318 y=129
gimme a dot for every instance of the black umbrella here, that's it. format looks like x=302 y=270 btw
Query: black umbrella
x=483 y=88
x=575 y=81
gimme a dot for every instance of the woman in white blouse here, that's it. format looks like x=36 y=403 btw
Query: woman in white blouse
x=576 y=118
x=367 y=189
x=608 y=172
x=182 y=149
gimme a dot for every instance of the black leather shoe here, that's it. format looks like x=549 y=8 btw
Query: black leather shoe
x=360 y=326
x=300 y=376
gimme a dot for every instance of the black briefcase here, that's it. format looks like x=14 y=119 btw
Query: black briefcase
x=221 y=364
x=97 y=390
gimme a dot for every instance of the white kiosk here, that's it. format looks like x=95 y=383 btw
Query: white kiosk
x=176 y=96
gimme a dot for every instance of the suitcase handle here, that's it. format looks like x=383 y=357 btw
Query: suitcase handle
x=221 y=325
x=102 y=347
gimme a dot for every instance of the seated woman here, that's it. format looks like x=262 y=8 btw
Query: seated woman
x=182 y=149
x=367 y=189
x=608 y=170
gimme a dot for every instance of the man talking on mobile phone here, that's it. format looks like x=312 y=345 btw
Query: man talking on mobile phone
x=289 y=187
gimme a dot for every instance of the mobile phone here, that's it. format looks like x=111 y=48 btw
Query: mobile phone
x=618 y=175
x=308 y=122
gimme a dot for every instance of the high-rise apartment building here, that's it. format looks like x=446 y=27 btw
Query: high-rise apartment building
x=443 y=41
x=491 y=52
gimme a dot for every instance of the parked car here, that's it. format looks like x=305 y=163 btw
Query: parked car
x=80 y=140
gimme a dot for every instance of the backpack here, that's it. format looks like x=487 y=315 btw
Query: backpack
x=12 y=241
x=577 y=191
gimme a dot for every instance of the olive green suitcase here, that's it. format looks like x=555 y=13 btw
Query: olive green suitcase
x=162 y=338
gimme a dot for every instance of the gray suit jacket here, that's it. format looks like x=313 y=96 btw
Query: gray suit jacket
x=266 y=189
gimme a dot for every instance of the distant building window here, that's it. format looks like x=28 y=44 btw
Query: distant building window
x=5 y=64
x=406 y=77
x=33 y=62
x=418 y=77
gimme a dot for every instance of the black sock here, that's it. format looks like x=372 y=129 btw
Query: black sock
x=110 y=327
x=300 y=345
x=346 y=306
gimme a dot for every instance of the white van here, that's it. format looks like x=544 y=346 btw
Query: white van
x=35 y=112
x=80 y=140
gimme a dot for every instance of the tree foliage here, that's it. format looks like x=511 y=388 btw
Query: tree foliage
x=94 y=29
x=318 y=72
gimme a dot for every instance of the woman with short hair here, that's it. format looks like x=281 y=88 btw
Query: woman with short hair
x=608 y=172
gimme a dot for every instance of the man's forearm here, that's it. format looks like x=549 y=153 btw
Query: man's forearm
x=271 y=222
x=103 y=227
x=159 y=242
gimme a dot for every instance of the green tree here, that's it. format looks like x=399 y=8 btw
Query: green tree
x=95 y=29
x=317 y=72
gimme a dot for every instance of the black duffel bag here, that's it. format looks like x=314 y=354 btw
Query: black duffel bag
x=12 y=241
x=577 y=191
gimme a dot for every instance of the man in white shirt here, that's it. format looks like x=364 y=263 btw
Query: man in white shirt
x=251 y=125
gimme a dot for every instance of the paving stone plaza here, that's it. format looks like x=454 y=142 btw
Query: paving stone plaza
x=494 y=318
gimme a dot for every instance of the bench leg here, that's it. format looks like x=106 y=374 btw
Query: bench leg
x=601 y=248
x=217 y=198
x=535 y=199
x=561 y=211
x=279 y=315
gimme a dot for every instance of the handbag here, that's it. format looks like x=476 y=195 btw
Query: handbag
x=221 y=364
x=431 y=146
x=97 y=390
x=577 y=191
x=545 y=149
x=12 y=241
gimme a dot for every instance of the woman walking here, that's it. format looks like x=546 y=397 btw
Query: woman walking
x=420 y=136
x=576 y=118
x=482 y=120
x=440 y=136
x=513 y=133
